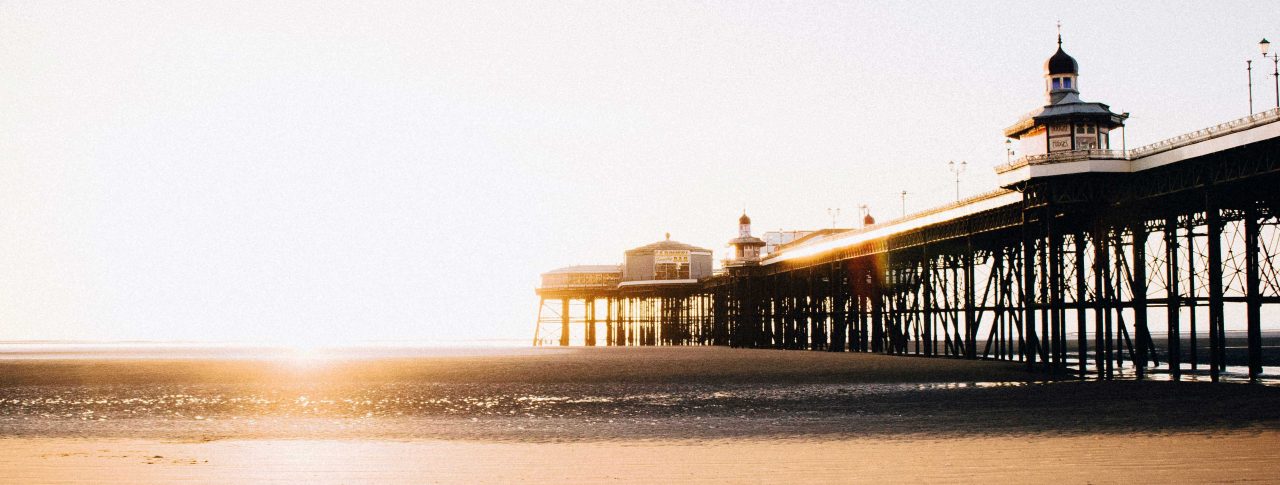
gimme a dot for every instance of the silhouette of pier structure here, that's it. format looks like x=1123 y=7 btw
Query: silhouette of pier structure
x=1086 y=260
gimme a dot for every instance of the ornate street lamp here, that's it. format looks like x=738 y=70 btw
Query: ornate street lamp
x=957 y=169
x=1265 y=46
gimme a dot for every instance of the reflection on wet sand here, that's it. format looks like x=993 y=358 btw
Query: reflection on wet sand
x=519 y=401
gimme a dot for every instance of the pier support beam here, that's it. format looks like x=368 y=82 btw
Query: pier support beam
x=1174 y=305
x=1139 y=287
x=564 y=322
x=1029 y=297
x=1214 y=261
x=1253 y=294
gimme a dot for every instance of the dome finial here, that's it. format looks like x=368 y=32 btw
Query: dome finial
x=1059 y=34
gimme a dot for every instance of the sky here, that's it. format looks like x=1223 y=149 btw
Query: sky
x=327 y=173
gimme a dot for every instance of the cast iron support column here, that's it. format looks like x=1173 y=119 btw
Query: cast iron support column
x=1055 y=298
x=1029 y=295
x=1100 y=271
x=1139 y=286
x=564 y=321
x=590 y=337
x=970 y=316
x=877 y=308
x=1253 y=298
x=1214 y=262
x=1082 y=336
x=839 y=322
x=926 y=289
x=1174 y=296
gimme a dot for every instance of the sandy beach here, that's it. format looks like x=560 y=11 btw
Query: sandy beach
x=1177 y=458
x=633 y=415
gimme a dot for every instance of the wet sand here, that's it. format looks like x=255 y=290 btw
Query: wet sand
x=1177 y=458
x=628 y=415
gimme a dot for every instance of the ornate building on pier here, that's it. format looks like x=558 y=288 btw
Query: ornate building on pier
x=745 y=249
x=1066 y=123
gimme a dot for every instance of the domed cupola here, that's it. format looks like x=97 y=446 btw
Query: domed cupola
x=1061 y=75
x=1061 y=62
x=746 y=248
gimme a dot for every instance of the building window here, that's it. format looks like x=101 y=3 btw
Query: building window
x=671 y=271
x=1090 y=128
x=1079 y=128
x=1066 y=83
x=1057 y=83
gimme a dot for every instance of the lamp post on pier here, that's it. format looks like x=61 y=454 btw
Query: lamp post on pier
x=904 y=203
x=1248 y=66
x=1265 y=46
x=834 y=213
x=957 y=169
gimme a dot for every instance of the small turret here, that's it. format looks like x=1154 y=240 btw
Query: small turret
x=1061 y=75
x=746 y=248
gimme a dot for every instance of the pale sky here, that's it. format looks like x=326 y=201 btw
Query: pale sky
x=337 y=172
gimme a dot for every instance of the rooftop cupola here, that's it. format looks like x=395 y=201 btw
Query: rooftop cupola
x=1061 y=75
x=746 y=248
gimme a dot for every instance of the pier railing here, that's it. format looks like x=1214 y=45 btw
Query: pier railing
x=1060 y=157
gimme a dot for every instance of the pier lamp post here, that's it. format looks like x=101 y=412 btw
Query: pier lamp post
x=834 y=213
x=1265 y=46
x=1248 y=66
x=957 y=169
x=862 y=214
x=1008 y=151
x=904 y=204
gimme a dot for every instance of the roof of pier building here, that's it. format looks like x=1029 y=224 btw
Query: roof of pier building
x=667 y=244
x=587 y=268
x=747 y=241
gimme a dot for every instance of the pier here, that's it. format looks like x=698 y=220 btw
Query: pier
x=1085 y=261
